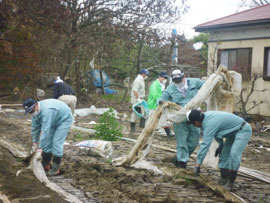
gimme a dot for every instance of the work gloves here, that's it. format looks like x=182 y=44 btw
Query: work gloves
x=34 y=147
x=160 y=102
x=197 y=170
x=218 y=150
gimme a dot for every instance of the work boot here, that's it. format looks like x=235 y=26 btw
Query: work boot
x=230 y=180
x=168 y=132
x=54 y=171
x=174 y=159
x=132 y=127
x=181 y=164
x=142 y=123
x=46 y=159
x=223 y=176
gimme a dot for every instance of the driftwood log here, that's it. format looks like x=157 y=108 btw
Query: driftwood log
x=4 y=198
x=144 y=141
x=223 y=80
x=37 y=168
x=11 y=105
x=202 y=180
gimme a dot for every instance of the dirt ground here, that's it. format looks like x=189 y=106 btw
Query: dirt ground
x=94 y=179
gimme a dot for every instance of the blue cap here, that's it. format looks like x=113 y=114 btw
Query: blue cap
x=28 y=105
x=144 y=71
x=163 y=75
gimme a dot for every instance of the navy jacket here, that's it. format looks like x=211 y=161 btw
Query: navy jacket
x=62 y=88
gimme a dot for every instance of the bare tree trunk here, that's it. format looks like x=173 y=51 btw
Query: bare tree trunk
x=138 y=64
x=67 y=65
x=77 y=70
x=101 y=82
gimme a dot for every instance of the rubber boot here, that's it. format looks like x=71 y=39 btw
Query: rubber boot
x=181 y=164
x=174 y=160
x=54 y=171
x=142 y=123
x=230 y=181
x=223 y=176
x=46 y=159
x=168 y=132
x=132 y=127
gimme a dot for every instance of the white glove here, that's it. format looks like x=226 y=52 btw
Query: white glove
x=34 y=147
x=139 y=100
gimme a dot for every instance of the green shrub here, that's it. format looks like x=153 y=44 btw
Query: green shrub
x=108 y=127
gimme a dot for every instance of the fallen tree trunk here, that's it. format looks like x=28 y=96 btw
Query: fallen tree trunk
x=173 y=112
x=4 y=198
x=251 y=173
x=10 y=105
x=265 y=177
x=40 y=174
x=37 y=168
x=203 y=180
x=86 y=130
x=144 y=141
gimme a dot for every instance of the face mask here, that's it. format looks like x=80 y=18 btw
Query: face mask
x=164 y=82
x=180 y=85
x=145 y=78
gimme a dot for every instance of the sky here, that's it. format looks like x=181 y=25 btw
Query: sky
x=202 y=11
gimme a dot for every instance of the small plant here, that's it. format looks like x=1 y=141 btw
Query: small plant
x=108 y=128
x=77 y=137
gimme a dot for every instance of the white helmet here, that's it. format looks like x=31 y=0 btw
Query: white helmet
x=177 y=76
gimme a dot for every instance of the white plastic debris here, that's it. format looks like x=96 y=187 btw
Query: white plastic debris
x=93 y=110
x=97 y=147
x=92 y=123
x=142 y=164
x=40 y=93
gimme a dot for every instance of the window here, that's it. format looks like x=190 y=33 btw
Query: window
x=238 y=60
x=266 y=64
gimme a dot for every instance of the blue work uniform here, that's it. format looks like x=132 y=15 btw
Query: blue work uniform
x=219 y=125
x=187 y=136
x=51 y=126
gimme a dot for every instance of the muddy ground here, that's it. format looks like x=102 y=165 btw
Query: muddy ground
x=94 y=179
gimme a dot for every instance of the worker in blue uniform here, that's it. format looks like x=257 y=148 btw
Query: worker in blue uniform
x=51 y=121
x=181 y=91
x=220 y=125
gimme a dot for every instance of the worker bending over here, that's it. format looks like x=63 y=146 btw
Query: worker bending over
x=51 y=121
x=219 y=125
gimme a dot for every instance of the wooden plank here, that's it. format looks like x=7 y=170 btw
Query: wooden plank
x=203 y=180
x=255 y=174
x=11 y=105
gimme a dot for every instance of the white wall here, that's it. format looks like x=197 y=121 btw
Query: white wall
x=227 y=41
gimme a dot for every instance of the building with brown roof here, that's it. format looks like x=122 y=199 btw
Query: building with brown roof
x=242 y=43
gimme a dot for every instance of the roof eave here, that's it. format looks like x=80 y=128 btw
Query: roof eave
x=231 y=25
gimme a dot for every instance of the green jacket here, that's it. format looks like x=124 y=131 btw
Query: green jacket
x=155 y=93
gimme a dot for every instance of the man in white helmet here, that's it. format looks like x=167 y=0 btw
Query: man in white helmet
x=181 y=91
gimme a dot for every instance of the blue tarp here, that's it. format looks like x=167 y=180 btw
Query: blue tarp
x=95 y=74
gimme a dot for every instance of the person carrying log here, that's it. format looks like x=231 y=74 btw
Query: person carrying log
x=219 y=125
x=51 y=121
x=155 y=93
x=137 y=94
x=181 y=91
